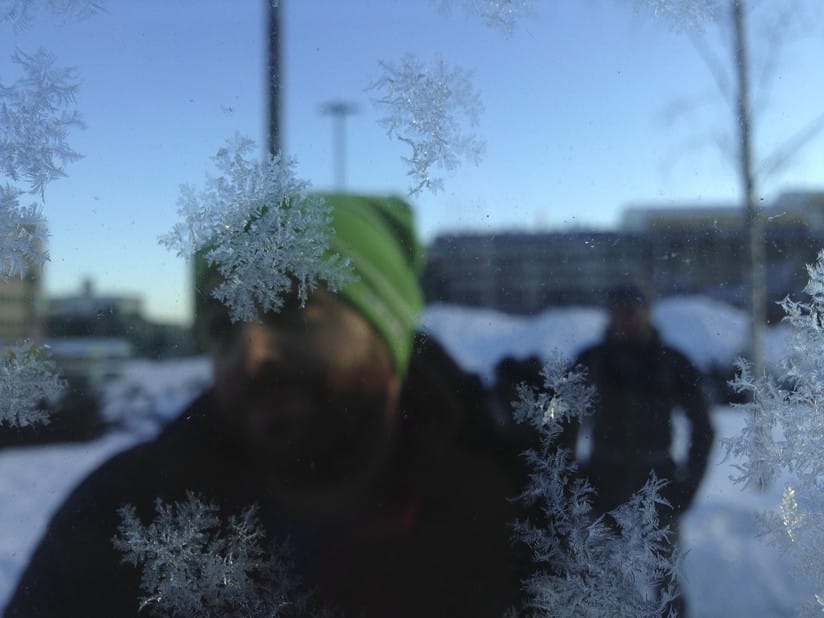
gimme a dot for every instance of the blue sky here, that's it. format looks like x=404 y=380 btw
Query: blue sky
x=575 y=118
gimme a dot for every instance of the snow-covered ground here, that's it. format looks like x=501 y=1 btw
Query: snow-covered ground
x=729 y=570
x=709 y=332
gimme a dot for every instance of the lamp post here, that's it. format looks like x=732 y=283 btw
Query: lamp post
x=273 y=74
x=339 y=110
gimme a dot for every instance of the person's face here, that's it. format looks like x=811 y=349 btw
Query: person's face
x=629 y=322
x=311 y=392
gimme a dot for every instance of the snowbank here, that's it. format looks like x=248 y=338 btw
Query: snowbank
x=710 y=333
x=729 y=571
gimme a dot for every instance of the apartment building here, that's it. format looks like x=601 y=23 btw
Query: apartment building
x=685 y=249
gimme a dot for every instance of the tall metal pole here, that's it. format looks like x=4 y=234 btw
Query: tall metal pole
x=273 y=74
x=753 y=219
x=339 y=110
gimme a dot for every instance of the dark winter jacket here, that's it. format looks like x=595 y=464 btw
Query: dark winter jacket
x=639 y=388
x=437 y=545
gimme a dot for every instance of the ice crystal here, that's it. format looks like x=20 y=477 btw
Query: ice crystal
x=682 y=14
x=620 y=564
x=22 y=235
x=503 y=15
x=195 y=563
x=432 y=109
x=784 y=433
x=28 y=383
x=259 y=226
x=36 y=114
x=20 y=12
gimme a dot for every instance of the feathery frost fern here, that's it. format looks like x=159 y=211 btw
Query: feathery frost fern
x=683 y=14
x=29 y=381
x=783 y=438
x=196 y=564
x=22 y=235
x=502 y=15
x=36 y=114
x=20 y=12
x=620 y=564
x=432 y=109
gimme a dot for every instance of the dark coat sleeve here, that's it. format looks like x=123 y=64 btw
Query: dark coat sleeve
x=75 y=570
x=693 y=401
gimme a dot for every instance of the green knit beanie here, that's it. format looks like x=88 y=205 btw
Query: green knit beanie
x=377 y=235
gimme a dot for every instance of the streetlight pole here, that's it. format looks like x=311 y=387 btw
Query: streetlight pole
x=273 y=74
x=339 y=110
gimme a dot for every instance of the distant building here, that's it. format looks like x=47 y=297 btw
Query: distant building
x=19 y=299
x=90 y=334
x=525 y=273
x=678 y=249
x=88 y=314
x=20 y=303
x=98 y=327
x=704 y=249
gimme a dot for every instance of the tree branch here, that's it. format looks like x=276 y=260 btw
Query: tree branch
x=783 y=155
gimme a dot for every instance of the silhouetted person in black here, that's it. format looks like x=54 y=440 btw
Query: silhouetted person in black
x=640 y=383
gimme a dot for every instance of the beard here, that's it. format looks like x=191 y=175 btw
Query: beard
x=313 y=430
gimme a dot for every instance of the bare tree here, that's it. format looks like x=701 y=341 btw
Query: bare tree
x=752 y=216
x=746 y=91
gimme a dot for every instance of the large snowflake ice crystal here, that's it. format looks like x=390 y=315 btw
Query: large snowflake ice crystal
x=617 y=565
x=432 y=109
x=783 y=438
x=194 y=563
x=261 y=229
x=29 y=382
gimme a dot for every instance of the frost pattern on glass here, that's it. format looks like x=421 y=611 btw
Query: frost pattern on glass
x=682 y=14
x=22 y=235
x=36 y=114
x=585 y=565
x=259 y=226
x=28 y=383
x=20 y=12
x=783 y=437
x=433 y=110
x=195 y=563
x=503 y=15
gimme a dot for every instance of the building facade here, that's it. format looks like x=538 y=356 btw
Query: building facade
x=676 y=250
x=19 y=302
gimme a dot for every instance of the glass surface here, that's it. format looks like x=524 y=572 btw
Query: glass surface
x=550 y=150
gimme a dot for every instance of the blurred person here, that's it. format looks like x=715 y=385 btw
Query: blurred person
x=342 y=427
x=641 y=382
